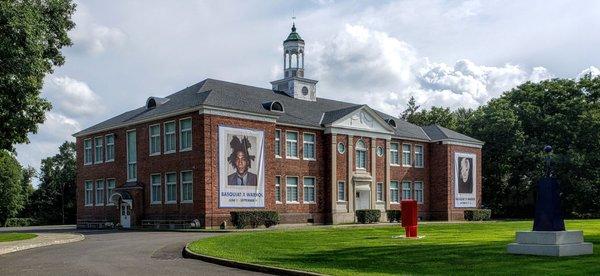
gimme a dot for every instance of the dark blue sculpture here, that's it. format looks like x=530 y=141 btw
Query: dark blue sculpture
x=548 y=215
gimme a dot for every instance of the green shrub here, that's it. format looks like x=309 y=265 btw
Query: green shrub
x=20 y=222
x=368 y=215
x=478 y=214
x=393 y=215
x=241 y=219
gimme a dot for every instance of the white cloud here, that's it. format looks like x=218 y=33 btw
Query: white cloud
x=592 y=70
x=92 y=37
x=73 y=97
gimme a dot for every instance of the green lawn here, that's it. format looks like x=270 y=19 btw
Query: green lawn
x=6 y=237
x=469 y=248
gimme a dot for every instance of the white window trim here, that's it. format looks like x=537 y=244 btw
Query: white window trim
x=410 y=154
x=399 y=189
x=338 y=192
x=150 y=140
x=314 y=143
x=96 y=190
x=297 y=201
x=280 y=147
x=108 y=202
x=181 y=186
x=127 y=154
x=181 y=136
x=382 y=192
x=422 y=155
x=422 y=191
x=165 y=137
x=91 y=203
x=297 y=157
x=314 y=187
x=167 y=189
x=280 y=193
x=410 y=186
x=397 y=153
x=91 y=152
x=159 y=187
x=96 y=146
x=356 y=155
x=106 y=147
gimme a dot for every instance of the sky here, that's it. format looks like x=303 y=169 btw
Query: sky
x=444 y=53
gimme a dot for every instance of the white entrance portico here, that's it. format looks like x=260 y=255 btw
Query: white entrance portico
x=124 y=202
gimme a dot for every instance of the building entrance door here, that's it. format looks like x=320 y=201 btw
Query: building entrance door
x=363 y=199
x=125 y=214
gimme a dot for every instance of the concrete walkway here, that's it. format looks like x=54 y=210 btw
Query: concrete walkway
x=42 y=239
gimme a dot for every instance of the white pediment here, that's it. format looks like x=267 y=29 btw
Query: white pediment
x=363 y=119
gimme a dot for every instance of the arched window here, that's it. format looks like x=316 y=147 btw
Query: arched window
x=151 y=103
x=361 y=155
x=276 y=106
x=391 y=122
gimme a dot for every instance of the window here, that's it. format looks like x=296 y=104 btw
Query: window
x=154 y=139
x=110 y=147
x=291 y=188
x=341 y=192
x=361 y=155
x=394 y=193
x=341 y=148
x=110 y=188
x=131 y=155
x=394 y=157
x=277 y=188
x=89 y=193
x=406 y=192
x=100 y=192
x=156 y=195
x=419 y=156
x=171 y=187
x=187 y=186
x=291 y=142
x=418 y=187
x=406 y=155
x=87 y=151
x=185 y=134
x=379 y=191
x=170 y=137
x=277 y=143
x=309 y=189
x=380 y=151
x=309 y=146
x=99 y=152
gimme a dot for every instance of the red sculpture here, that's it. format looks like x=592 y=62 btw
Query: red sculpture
x=409 y=217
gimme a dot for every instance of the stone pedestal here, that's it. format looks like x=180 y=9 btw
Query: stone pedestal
x=550 y=243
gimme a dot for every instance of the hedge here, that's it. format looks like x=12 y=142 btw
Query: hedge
x=478 y=214
x=393 y=215
x=20 y=222
x=241 y=219
x=368 y=215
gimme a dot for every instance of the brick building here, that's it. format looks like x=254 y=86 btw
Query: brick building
x=216 y=146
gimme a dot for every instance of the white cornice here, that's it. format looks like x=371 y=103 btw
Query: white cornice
x=460 y=143
x=211 y=110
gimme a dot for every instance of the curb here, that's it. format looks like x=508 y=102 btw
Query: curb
x=245 y=266
x=78 y=237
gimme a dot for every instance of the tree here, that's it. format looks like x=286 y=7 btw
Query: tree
x=32 y=34
x=410 y=110
x=10 y=186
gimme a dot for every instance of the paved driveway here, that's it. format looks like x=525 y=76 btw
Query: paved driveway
x=113 y=253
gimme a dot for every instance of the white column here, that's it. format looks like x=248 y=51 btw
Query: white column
x=373 y=172
x=386 y=185
x=350 y=184
x=333 y=174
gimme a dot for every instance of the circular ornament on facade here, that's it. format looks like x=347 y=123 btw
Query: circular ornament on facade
x=379 y=151
x=341 y=148
x=304 y=91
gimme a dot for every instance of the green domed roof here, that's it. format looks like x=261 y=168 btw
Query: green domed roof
x=294 y=36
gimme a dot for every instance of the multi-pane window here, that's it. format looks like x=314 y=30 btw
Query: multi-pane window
x=154 y=139
x=98 y=150
x=110 y=147
x=418 y=187
x=291 y=142
x=394 y=192
x=291 y=189
x=379 y=191
x=185 y=135
x=156 y=194
x=419 y=156
x=277 y=188
x=341 y=191
x=100 y=192
x=406 y=155
x=309 y=146
x=89 y=192
x=131 y=155
x=278 y=143
x=406 y=192
x=187 y=186
x=170 y=137
x=87 y=151
x=309 y=189
x=171 y=187
x=361 y=155
x=110 y=188
x=394 y=157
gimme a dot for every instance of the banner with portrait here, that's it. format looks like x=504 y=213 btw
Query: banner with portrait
x=241 y=168
x=465 y=165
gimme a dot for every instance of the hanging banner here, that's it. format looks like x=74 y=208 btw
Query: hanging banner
x=241 y=168
x=464 y=180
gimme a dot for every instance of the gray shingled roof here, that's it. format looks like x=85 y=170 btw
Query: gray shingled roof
x=436 y=133
x=227 y=95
